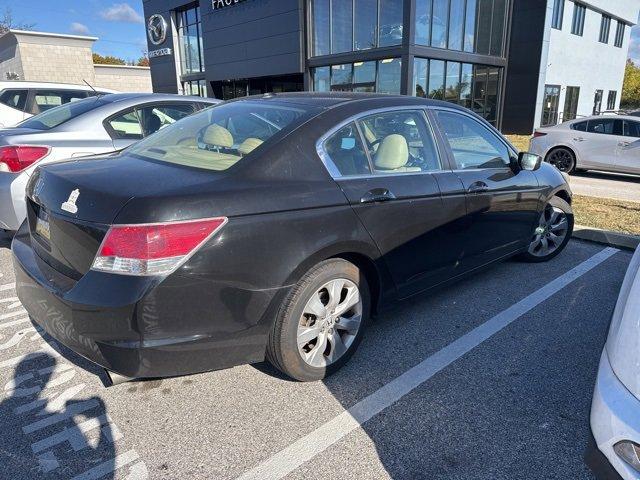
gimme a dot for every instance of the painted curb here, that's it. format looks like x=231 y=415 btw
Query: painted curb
x=606 y=237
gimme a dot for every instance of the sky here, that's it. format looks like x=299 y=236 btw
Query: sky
x=119 y=24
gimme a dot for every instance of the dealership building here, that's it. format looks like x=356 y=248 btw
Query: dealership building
x=518 y=63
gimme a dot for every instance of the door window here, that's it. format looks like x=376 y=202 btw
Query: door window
x=581 y=126
x=631 y=129
x=473 y=145
x=346 y=152
x=605 y=126
x=15 y=99
x=550 y=105
x=154 y=118
x=46 y=99
x=399 y=142
x=125 y=126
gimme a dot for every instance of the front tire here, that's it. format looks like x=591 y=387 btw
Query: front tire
x=552 y=233
x=563 y=159
x=321 y=322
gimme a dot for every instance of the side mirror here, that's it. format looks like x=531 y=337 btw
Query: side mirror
x=529 y=161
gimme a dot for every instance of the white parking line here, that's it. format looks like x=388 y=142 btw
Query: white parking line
x=8 y=286
x=4 y=316
x=307 y=447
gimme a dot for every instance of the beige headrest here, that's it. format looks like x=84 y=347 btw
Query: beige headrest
x=218 y=136
x=249 y=145
x=393 y=153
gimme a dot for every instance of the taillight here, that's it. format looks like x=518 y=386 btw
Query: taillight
x=537 y=134
x=15 y=158
x=153 y=249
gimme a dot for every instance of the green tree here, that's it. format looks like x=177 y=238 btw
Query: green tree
x=631 y=86
x=107 y=60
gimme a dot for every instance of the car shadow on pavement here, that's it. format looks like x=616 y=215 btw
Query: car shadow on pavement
x=5 y=240
x=621 y=177
x=49 y=430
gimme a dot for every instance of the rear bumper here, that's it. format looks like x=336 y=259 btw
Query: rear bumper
x=12 y=203
x=615 y=416
x=144 y=327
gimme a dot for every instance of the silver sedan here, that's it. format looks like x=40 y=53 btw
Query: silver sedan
x=606 y=143
x=90 y=126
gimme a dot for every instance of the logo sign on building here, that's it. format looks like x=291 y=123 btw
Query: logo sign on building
x=218 y=4
x=157 y=29
x=161 y=52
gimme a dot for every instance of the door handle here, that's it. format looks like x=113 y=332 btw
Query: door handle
x=578 y=139
x=478 y=187
x=624 y=144
x=377 y=195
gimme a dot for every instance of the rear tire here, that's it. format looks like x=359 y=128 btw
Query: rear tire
x=563 y=159
x=321 y=322
x=553 y=232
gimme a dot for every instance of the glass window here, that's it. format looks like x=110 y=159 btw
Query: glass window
x=605 y=126
x=466 y=80
x=473 y=145
x=219 y=137
x=321 y=27
x=577 y=25
x=470 y=26
x=346 y=152
x=190 y=41
x=364 y=72
x=480 y=91
x=57 y=116
x=322 y=79
x=439 y=24
x=366 y=17
x=399 y=142
x=420 y=71
x=342 y=74
x=452 y=82
x=423 y=22
x=498 y=26
x=597 y=102
x=47 y=99
x=14 y=98
x=483 y=30
x=558 y=14
x=571 y=103
x=436 y=79
x=389 y=75
x=456 y=23
x=620 y=29
x=493 y=87
x=605 y=27
x=154 y=118
x=631 y=129
x=341 y=26
x=391 y=21
x=126 y=126
x=580 y=126
x=550 y=105
x=611 y=100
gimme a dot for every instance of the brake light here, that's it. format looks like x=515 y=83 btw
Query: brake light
x=537 y=134
x=153 y=249
x=15 y=158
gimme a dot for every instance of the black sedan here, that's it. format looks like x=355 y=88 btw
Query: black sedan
x=275 y=227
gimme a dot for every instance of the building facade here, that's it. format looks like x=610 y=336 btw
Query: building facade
x=51 y=57
x=495 y=57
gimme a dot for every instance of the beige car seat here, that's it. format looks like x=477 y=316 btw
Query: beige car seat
x=249 y=145
x=218 y=136
x=393 y=155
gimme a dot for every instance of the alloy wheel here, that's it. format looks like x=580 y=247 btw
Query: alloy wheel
x=550 y=233
x=329 y=323
x=562 y=159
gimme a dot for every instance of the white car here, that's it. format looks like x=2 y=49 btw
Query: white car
x=606 y=143
x=615 y=412
x=21 y=100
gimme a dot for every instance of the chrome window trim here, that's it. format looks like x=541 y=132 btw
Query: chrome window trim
x=333 y=169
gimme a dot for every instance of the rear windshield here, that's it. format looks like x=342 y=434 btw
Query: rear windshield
x=220 y=136
x=58 y=115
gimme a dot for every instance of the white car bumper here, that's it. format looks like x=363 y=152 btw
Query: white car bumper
x=13 y=209
x=615 y=416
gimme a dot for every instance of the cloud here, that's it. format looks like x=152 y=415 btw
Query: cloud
x=79 y=28
x=121 y=12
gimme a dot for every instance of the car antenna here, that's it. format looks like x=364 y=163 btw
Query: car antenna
x=91 y=87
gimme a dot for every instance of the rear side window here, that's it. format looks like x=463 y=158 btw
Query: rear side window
x=125 y=126
x=15 y=99
x=631 y=129
x=346 y=152
x=605 y=126
x=580 y=126
x=473 y=145
x=47 y=99
x=57 y=116
x=154 y=118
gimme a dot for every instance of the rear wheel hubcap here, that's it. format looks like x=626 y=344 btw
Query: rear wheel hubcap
x=562 y=160
x=329 y=323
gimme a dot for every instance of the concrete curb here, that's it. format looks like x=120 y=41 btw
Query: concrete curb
x=606 y=237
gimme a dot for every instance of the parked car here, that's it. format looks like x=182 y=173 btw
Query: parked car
x=275 y=226
x=86 y=127
x=606 y=143
x=21 y=100
x=615 y=411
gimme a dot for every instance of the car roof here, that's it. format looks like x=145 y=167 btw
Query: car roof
x=123 y=97
x=599 y=117
x=59 y=86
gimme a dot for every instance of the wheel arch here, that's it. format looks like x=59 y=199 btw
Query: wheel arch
x=563 y=194
x=371 y=273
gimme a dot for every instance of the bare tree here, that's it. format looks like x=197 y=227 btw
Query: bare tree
x=7 y=22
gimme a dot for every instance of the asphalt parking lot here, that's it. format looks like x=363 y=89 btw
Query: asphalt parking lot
x=606 y=185
x=488 y=379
